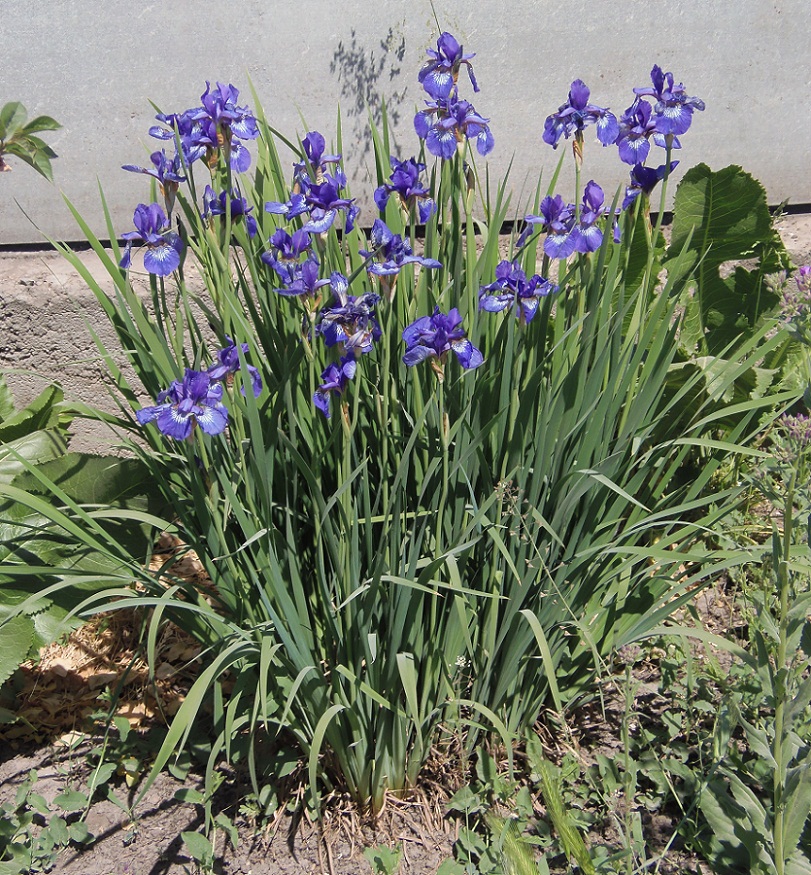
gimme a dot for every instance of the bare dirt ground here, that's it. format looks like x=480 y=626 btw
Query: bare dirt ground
x=69 y=684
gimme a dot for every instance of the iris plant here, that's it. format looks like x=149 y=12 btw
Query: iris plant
x=217 y=204
x=194 y=401
x=163 y=245
x=335 y=378
x=512 y=289
x=673 y=109
x=440 y=74
x=167 y=171
x=433 y=337
x=405 y=183
x=576 y=114
x=228 y=364
x=392 y=251
x=557 y=219
x=644 y=180
x=351 y=321
x=447 y=121
x=206 y=129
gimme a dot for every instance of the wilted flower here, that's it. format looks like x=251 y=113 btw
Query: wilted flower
x=228 y=364
x=432 y=337
x=512 y=289
x=163 y=245
x=335 y=378
x=351 y=322
x=440 y=74
x=577 y=113
x=196 y=400
x=404 y=182
x=673 y=109
x=216 y=205
x=447 y=121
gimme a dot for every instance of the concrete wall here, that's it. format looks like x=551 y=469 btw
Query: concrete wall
x=94 y=66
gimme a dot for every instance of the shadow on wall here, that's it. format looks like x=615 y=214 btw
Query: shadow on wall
x=363 y=74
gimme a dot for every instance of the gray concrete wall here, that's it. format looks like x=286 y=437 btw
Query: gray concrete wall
x=94 y=66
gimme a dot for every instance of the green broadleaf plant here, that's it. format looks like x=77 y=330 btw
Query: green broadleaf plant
x=18 y=138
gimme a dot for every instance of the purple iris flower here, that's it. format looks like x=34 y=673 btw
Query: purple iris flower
x=432 y=337
x=576 y=114
x=446 y=122
x=405 y=183
x=167 y=171
x=228 y=364
x=587 y=236
x=216 y=205
x=286 y=248
x=673 y=108
x=314 y=145
x=644 y=180
x=512 y=289
x=635 y=129
x=351 y=322
x=194 y=141
x=197 y=400
x=163 y=245
x=204 y=130
x=300 y=279
x=335 y=378
x=557 y=219
x=393 y=251
x=324 y=204
x=440 y=74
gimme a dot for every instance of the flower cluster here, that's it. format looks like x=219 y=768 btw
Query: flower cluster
x=659 y=112
x=196 y=400
x=447 y=121
x=569 y=230
x=210 y=130
x=316 y=191
x=216 y=127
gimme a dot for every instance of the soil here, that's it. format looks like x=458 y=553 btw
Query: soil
x=71 y=681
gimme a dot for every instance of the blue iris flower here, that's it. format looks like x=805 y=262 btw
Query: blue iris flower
x=162 y=255
x=194 y=401
x=433 y=337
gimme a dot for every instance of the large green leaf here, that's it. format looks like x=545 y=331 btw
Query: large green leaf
x=15 y=643
x=721 y=217
x=30 y=449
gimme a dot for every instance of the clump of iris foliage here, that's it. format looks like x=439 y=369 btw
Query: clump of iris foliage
x=433 y=485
